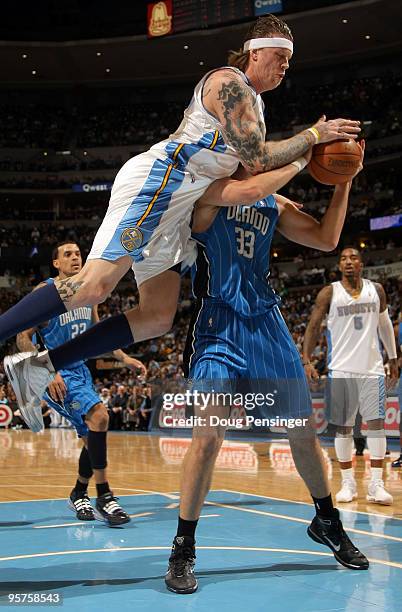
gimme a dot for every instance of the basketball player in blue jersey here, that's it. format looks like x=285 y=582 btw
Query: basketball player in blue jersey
x=237 y=336
x=147 y=224
x=72 y=394
x=357 y=314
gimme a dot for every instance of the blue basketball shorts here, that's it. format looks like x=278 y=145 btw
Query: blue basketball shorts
x=80 y=398
x=227 y=352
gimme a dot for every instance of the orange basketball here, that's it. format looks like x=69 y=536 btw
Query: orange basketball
x=333 y=163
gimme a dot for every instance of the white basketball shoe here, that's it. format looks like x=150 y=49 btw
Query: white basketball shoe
x=348 y=492
x=377 y=493
x=29 y=374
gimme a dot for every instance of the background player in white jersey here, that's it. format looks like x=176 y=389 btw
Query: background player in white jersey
x=72 y=394
x=398 y=337
x=237 y=339
x=147 y=225
x=356 y=310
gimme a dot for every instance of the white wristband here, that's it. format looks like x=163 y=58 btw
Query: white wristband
x=300 y=163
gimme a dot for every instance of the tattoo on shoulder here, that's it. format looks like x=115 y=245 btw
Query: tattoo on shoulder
x=245 y=131
x=247 y=137
x=68 y=288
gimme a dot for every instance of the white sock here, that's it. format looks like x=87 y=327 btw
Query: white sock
x=377 y=445
x=376 y=473
x=347 y=474
x=344 y=448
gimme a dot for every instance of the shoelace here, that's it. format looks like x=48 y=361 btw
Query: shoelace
x=344 y=539
x=183 y=559
x=378 y=483
x=112 y=507
x=82 y=503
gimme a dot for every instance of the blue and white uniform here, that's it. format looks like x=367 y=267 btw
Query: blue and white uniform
x=400 y=376
x=355 y=363
x=237 y=337
x=81 y=395
x=154 y=193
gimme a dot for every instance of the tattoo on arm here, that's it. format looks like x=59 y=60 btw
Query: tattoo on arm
x=67 y=289
x=246 y=133
x=24 y=342
x=312 y=332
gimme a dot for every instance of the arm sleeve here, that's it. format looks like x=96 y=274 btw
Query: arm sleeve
x=386 y=332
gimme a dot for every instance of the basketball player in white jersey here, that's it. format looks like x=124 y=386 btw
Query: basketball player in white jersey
x=357 y=314
x=147 y=224
x=398 y=337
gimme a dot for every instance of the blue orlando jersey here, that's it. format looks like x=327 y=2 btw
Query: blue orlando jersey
x=233 y=258
x=65 y=327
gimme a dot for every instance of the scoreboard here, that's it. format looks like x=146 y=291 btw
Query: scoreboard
x=198 y=14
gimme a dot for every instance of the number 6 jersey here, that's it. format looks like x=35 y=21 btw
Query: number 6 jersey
x=352 y=331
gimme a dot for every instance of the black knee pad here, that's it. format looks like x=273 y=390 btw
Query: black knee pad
x=97 y=449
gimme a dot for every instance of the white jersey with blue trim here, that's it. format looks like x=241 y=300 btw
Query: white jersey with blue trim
x=197 y=123
x=154 y=193
x=203 y=153
x=352 y=331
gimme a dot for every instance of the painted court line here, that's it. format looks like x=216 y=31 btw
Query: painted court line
x=93 y=523
x=286 y=517
x=88 y=523
x=140 y=492
x=221 y=548
x=292 y=501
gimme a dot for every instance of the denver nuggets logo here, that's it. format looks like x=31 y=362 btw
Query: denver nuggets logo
x=131 y=238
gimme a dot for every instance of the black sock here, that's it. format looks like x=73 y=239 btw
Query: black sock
x=108 y=335
x=81 y=487
x=324 y=507
x=102 y=488
x=186 y=528
x=84 y=464
x=36 y=307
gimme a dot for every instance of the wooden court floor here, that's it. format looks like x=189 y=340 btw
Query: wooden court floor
x=43 y=466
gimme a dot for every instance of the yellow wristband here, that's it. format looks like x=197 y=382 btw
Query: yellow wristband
x=315 y=133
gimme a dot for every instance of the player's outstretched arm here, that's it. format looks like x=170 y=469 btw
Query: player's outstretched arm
x=304 y=229
x=229 y=99
x=387 y=336
x=233 y=192
x=24 y=339
x=312 y=333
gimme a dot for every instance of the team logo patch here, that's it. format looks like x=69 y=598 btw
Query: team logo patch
x=131 y=238
x=75 y=405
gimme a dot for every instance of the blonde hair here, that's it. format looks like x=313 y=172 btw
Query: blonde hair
x=239 y=59
x=265 y=27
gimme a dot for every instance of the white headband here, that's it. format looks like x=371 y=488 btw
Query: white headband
x=259 y=43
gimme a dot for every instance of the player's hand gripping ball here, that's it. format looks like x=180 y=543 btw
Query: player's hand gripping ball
x=336 y=162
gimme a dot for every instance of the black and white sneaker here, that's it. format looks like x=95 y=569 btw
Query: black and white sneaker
x=108 y=510
x=330 y=532
x=180 y=576
x=79 y=503
x=397 y=463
